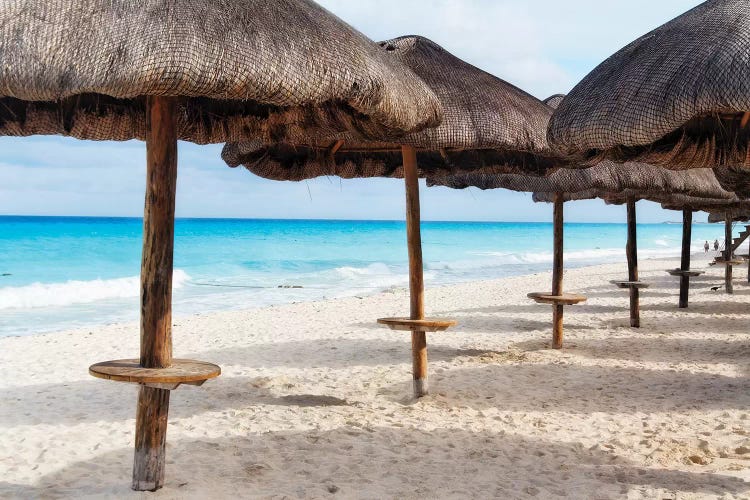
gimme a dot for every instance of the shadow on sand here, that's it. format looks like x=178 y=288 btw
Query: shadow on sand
x=585 y=389
x=657 y=349
x=572 y=388
x=378 y=462
x=55 y=403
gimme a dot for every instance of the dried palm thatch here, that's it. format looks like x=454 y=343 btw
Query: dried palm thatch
x=242 y=68
x=678 y=96
x=735 y=179
x=709 y=197
x=737 y=215
x=489 y=124
x=682 y=202
x=677 y=201
x=554 y=101
x=597 y=182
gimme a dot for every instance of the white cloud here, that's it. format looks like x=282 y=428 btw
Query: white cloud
x=542 y=46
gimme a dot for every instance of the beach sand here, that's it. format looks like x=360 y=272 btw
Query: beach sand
x=314 y=400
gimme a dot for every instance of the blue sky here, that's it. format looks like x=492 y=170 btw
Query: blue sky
x=542 y=46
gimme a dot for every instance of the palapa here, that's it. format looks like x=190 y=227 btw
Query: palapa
x=738 y=215
x=681 y=202
x=242 y=69
x=606 y=178
x=488 y=124
x=741 y=215
x=615 y=183
x=688 y=191
x=678 y=96
x=728 y=207
x=622 y=183
x=199 y=71
x=521 y=182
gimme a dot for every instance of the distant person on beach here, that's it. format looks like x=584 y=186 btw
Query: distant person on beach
x=716 y=245
x=706 y=247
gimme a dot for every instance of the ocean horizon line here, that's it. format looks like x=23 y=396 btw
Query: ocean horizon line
x=282 y=219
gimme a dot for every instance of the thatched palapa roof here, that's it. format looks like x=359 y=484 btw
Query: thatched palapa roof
x=243 y=68
x=735 y=179
x=600 y=181
x=738 y=215
x=681 y=202
x=488 y=124
x=676 y=97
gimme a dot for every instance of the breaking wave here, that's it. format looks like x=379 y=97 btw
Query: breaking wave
x=76 y=292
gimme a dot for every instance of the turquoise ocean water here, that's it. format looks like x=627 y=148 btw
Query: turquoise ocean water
x=67 y=272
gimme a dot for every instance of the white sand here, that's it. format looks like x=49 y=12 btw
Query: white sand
x=314 y=398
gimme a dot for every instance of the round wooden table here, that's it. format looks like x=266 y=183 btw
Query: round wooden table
x=182 y=371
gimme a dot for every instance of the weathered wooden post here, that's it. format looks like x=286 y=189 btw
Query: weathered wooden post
x=557 y=298
x=155 y=371
x=631 y=251
x=557 y=272
x=416 y=323
x=687 y=228
x=416 y=273
x=728 y=252
x=156 y=291
x=632 y=254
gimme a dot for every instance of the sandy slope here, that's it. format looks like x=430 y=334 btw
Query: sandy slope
x=314 y=400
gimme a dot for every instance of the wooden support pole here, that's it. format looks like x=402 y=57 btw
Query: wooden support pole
x=156 y=290
x=632 y=254
x=416 y=278
x=557 y=273
x=728 y=252
x=150 y=439
x=687 y=230
x=748 y=265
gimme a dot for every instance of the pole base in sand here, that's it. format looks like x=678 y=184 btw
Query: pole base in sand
x=421 y=387
x=153 y=409
x=150 y=439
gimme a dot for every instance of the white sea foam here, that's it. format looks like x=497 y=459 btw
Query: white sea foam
x=374 y=269
x=374 y=276
x=533 y=260
x=76 y=292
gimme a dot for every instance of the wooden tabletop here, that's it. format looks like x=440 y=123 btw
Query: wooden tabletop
x=630 y=284
x=182 y=371
x=568 y=299
x=422 y=325
x=689 y=272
